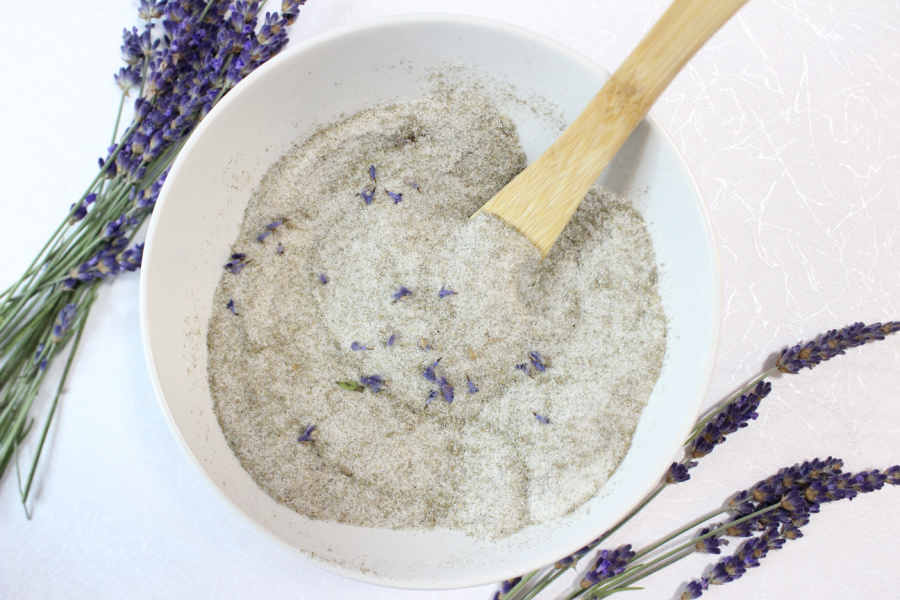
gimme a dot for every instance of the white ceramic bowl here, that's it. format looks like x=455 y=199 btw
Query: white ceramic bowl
x=377 y=62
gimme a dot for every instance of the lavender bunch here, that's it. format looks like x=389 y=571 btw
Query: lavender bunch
x=185 y=56
x=771 y=512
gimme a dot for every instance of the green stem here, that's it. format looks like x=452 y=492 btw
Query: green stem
x=666 y=539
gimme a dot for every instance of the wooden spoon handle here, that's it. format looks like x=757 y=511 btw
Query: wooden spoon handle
x=540 y=201
x=638 y=82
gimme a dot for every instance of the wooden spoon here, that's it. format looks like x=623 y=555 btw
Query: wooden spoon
x=541 y=199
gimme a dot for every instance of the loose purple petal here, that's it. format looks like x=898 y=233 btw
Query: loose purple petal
x=322 y=279
x=541 y=419
x=401 y=292
x=472 y=388
x=307 y=434
x=279 y=249
x=372 y=172
x=375 y=382
x=524 y=368
x=367 y=195
x=230 y=306
x=538 y=361
x=445 y=292
x=397 y=198
x=430 y=397
x=356 y=346
x=262 y=237
x=428 y=374
x=391 y=340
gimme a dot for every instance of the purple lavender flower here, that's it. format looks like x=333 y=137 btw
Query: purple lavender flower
x=79 y=211
x=396 y=197
x=524 y=368
x=391 y=340
x=356 y=347
x=831 y=344
x=322 y=279
x=367 y=194
x=678 y=472
x=608 y=564
x=471 y=384
x=63 y=322
x=116 y=228
x=375 y=383
x=238 y=261
x=711 y=544
x=538 y=361
x=372 y=172
x=541 y=419
x=695 y=589
x=230 y=306
x=428 y=374
x=445 y=292
x=307 y=434
x=401 y=292
x=262 y=237
x=733 y=417
x=446 y=388
x=893 y=475
x=431 y=396
x=506 y=587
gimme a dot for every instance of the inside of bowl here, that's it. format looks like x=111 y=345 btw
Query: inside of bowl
x=375 y=63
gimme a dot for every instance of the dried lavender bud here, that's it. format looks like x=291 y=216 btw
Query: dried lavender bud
x=431 y=396
x=78 y=211
x=375 y=383
x=391 y=340
x=230 y=306
x=401 y=292
x=411 y=182
x=893 y=475
x=262 y=237
x=238 y=261
x=279 y=249
x=524 y=368
x=712 y=544
x=833 y=343
x=356 y=347
x=538 y=361
x=695 y=589
x=428 y=374
x=63 y=322
x=608 y=564
x=367 y=194
x=396 y=197
x=322 y=279
x=372 y=172
x=541 y=419
x=471 y=384
x=350 y=385
x=445 y=292
x=678 y=472
x=307 y=434
x=726 y=570
x=275 y=224
x=573 y=558
x=446 y=388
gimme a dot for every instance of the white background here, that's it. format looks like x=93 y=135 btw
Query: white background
x=790 y=120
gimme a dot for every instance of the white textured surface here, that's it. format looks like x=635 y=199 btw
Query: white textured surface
x=790 y=119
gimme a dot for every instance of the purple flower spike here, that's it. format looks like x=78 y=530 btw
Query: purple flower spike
x=230 y=306
x=307 y=434
x=401 y=292
x=538 y=361
x=472 y=388
x=322 y=279
x=356 y=346
x=831 y=344
x=445 y=292
x=396 y=197
x=375 y=383
x=372 y=172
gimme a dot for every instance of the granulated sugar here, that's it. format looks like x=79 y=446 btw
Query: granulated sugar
x=529 y=444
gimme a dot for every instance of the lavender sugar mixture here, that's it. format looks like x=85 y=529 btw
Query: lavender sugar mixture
x=480 y=389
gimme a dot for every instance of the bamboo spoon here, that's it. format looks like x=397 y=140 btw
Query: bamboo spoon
x=541 y=199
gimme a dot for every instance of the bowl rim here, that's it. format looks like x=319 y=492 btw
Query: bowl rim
x=287 y=55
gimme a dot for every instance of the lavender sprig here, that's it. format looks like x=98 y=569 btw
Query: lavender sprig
x=180 y=62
